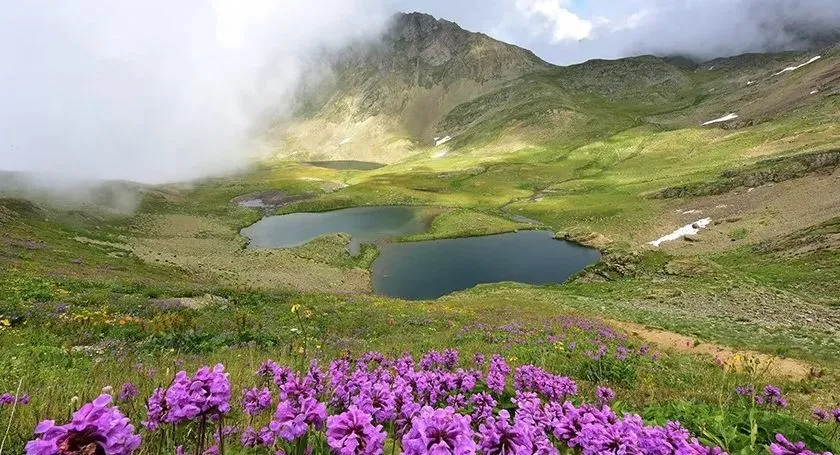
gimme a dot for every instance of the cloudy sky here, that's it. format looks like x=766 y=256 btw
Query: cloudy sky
x=160 y=90
x=571 y=31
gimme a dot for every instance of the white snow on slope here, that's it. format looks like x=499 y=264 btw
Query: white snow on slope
x=442 y=140
x=794 y=68
x=688 y=229
x=750 y=82
x=440 y=154
x=814 y=92
x=725 y=118
x=345 y=141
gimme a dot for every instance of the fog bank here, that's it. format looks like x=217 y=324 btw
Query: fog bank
x=157 y=91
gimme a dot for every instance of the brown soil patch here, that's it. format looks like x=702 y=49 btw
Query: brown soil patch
x=771 y=365
x=208 y=247
x=763 y=213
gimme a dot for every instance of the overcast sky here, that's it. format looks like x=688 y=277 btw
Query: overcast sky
x=161 y=90
x=571 y=31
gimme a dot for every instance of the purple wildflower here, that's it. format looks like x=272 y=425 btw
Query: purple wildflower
x=249 y=437
x=439 y=431
x=784 y=447
x=352 y=433
x=7 y=398
x=820 y=415
x=266 y=437
x=605 y=395
x=255 y=401
x=267 y=369
x=498 y=436
x=450 y=359
x=483 y=405
x=206 y=393
x=744 y=391
x=294 y=417
x=478 y=359
x=96 y=428
x=497 y=374
x=128 y=391
x=430 y=360
x=772 y=397
x=529 y=378
x=155 y=410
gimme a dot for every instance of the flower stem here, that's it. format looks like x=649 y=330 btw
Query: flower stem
x=11 y=416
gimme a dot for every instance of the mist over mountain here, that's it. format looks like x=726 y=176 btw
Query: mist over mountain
x=156 y=91
x=154 y=94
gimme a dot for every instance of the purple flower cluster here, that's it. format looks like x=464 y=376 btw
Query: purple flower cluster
x=824 y=416
x=772 y=396
x=432 y=406
x=529 y=378
x=205 y=394
x=439 y=431
x=605 y=395
x=353 y=433
x=9 y=398
x=128 y=391
x=499 y=436
x=784 y=447
x=744 y=391
x=255 y=401
x=295 y=417
x=96 y=428
x=497 y=374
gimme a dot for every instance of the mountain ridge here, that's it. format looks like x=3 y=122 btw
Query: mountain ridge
x=426 y=78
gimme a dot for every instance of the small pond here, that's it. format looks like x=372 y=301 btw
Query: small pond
x=364 y=224
x=430 y=269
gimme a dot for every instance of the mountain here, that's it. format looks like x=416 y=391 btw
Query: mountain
x=425 y=81
x=388 y=93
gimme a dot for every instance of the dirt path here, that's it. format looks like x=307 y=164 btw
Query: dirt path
x=770 y=365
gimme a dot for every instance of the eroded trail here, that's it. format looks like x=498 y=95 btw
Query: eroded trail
x=764 y=364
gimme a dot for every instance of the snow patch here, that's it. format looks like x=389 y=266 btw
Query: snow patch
x=440 y=154
x=442 y=140
x=725 y=118
x=688 y=229
x=750 y=83
x=814 y=92
x=689 y=212
x=794 y=68
x=345 y=141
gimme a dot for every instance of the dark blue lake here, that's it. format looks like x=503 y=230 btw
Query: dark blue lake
x=430 y=269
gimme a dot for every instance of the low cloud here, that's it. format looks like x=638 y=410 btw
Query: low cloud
x=157 y=91
x=564 y=32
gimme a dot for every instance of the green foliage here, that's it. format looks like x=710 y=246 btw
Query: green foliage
x=740 y=427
